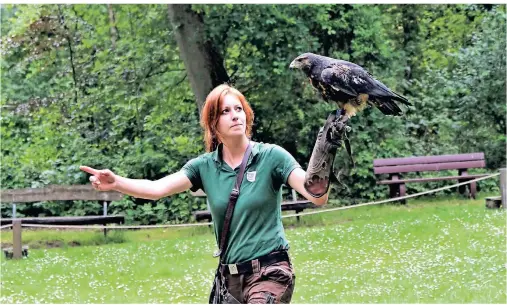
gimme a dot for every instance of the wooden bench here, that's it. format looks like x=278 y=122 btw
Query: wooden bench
x=396 y=167
x=61 y=220
x=57 y=193
x=291 y=205
x=61 y=193
x=67 y=220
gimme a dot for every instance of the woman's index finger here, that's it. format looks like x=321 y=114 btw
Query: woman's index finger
x=89 y=170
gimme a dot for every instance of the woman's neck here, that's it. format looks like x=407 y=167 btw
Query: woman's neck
x=233 y=151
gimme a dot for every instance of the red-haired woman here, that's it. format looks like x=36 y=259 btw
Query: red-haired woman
x=256 y=268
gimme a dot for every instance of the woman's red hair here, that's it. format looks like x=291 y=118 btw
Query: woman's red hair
x=211 y=114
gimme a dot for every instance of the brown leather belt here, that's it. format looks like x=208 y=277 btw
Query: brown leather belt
x=248 y=267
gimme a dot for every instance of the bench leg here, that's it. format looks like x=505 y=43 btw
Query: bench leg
x=403 y=193
x=397 y=190
x=394 y=190
x=462 y=188
x=473 y=189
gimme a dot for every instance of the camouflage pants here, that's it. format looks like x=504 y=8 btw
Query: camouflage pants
x=270 y=284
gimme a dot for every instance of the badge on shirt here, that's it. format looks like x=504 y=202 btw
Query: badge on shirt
x=250 y=176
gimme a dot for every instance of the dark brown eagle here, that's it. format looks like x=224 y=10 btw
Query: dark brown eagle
x=347 y=84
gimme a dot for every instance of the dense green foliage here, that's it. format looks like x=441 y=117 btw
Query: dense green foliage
x=81 y=88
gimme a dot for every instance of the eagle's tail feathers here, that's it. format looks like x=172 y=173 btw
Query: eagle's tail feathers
x=387 y=106
x=381 y=90
x=400 y=98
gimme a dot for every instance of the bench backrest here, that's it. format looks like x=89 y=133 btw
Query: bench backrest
x=57 y=192
x=428 y=163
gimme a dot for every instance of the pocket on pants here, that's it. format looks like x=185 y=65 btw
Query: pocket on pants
x=279 y=272
x=281 y=278
x=286 y=297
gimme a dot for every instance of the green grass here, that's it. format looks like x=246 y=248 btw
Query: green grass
x=444 y=250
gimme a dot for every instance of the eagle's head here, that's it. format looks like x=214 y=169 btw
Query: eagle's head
x=303 y=62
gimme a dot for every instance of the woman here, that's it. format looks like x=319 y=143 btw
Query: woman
x=257 y=246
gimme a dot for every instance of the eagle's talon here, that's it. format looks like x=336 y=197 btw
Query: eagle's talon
x=344 y=119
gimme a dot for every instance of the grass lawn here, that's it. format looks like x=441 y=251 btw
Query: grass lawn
x=444 y=250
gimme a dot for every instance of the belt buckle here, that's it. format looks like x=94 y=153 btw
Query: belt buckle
x=233 y=269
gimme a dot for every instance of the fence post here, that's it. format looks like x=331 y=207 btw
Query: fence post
x=16 y=239
x=503 y=187
x=105 y=214
x=13 y=210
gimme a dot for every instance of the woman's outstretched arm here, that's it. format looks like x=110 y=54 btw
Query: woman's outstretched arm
x=106 y=180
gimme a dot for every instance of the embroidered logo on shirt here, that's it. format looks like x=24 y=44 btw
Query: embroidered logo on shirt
x=250 y=176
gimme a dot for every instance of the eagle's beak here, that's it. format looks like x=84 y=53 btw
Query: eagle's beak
x=293 y=65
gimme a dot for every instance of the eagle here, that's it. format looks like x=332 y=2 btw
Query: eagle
x=347 y=84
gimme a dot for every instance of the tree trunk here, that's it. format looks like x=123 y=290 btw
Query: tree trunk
x=203 y=62
x=68 y=37
x=112 y=26
x=410 y=15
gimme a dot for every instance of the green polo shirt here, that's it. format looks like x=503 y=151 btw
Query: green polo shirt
x=256 y=226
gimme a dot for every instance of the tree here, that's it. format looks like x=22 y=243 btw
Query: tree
x=75 y=92
x=203 y=61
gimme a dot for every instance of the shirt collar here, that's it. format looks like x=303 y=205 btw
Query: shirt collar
x=217 y=153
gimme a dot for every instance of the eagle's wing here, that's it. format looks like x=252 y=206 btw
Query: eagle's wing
x=353 y=80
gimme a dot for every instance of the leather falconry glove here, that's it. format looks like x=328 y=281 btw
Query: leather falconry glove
x=320 y=167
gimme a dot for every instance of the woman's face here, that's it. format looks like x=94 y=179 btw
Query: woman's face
x=232 y=121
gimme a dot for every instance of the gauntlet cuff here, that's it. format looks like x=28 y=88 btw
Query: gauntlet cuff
x=320 y=167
